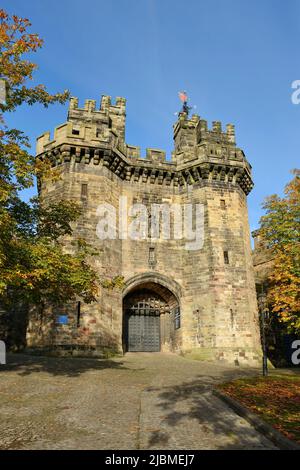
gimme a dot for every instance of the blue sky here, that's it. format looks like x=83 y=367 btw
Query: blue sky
x=237 y=59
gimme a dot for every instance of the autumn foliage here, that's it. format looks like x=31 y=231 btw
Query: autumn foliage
x=276 y=399
x=280 y=230
x=34 y=266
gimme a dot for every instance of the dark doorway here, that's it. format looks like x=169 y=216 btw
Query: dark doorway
x=142 y=328
x=148 y=319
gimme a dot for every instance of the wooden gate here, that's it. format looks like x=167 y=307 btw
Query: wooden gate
x=142 y=329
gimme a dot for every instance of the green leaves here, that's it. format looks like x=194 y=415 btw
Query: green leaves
x=43 y=271
x=30 y=96
x=54 y=220
x=115 y=283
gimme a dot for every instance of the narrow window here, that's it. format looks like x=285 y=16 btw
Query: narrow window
x=231 y=318
x=226 y=257
x=149 y=227
x=177 y=319
x=151 y=256
x=75 y=132
x=84 y=190
x=222 y=204
x=78 y=314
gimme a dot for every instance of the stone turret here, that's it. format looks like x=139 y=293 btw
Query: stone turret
x=188 y=133
x=109 y=116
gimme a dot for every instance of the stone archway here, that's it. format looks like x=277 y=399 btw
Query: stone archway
x=151 y=314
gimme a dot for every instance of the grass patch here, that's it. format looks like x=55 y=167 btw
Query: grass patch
x=276 y=399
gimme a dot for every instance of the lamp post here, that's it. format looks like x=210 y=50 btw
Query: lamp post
x=264 y=315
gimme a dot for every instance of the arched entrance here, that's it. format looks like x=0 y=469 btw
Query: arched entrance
x=151 y=316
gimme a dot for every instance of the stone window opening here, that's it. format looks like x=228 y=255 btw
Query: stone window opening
x=152 y=258
x=75 y=131
x=226 y=257
x=177 y=318
x=84 y=190
x=222 y=204
x=232 y=319
x=149 y=230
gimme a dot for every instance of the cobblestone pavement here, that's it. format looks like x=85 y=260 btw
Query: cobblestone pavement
x=139 y=401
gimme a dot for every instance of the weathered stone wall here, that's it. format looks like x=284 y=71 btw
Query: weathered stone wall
x=217 y=299
x=262 y=261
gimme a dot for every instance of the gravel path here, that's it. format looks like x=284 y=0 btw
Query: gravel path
x=139 y=401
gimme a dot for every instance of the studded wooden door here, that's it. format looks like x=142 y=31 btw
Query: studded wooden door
x=143 y=330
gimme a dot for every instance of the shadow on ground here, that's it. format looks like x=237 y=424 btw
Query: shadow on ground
x=195 y=403
x=24 y=365
x=159 y=401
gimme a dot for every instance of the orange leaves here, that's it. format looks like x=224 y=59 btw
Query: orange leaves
x=17 y=166
x=280 y=229
x=15 y=41
x=3 y=14
x=275 y=399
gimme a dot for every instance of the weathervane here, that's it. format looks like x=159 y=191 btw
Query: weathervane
x=184 y=99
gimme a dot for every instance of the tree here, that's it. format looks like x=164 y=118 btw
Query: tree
x=280 y=231
x=34 y=266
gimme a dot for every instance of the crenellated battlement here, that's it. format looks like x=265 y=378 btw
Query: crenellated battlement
x=108 y=116
x=188 y=133
x=106 y=105
x=97 y=136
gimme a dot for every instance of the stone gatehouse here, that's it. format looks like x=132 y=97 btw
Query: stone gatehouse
x=177 y=298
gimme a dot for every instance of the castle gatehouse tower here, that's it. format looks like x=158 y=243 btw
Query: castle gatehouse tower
x=188 y=287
